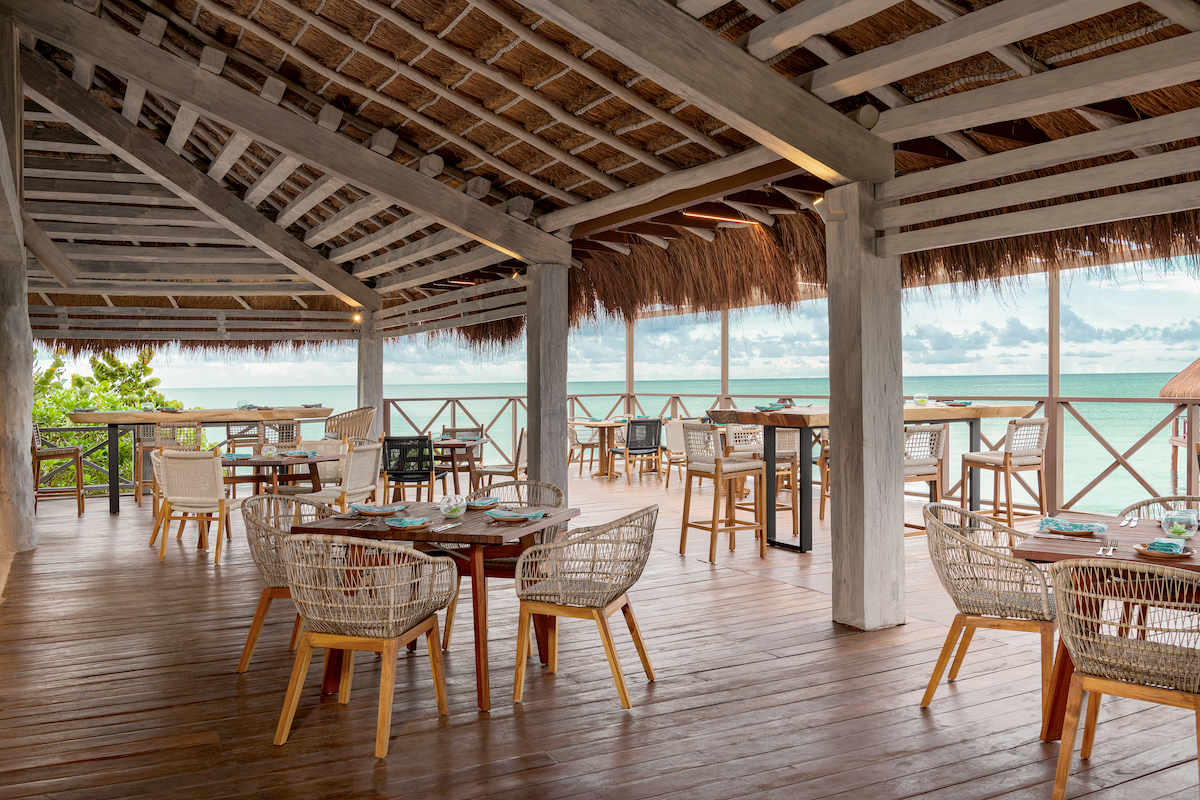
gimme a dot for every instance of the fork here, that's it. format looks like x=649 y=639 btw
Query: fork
x=1108 y=544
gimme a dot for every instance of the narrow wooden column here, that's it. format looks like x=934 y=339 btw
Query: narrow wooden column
x=723 y=401
x=16 y=340
x=1054 y=445
x=866 y=418
x=629 y=361
x=370 y=372
x=546 y=375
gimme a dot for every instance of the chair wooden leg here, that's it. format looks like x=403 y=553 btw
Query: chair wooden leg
x=260 y=614
x=165 y=511
x=760 y=513
x=1089 y=723
x=435 y=664
x=687 y=505
x=964 y=493
x=387 y=696
x=346 y=677
x=522 y=653
x=944 y=657
x=1008 y=497
x=552 y=644
x=1047 y=636
x=297 y=629
x=610 y=650
x=636 y=633
x=968 y=633
x=222 y=518
x=716 y=515
x=1067 y=746
x=1042 y=491
x=450 y=610
x=292 y=699
x=79 y=484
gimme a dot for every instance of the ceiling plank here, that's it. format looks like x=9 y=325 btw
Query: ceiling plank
x=807 y=19
x=1142 y=69
x=118 y=215
x=48 y=254
x=458 y=322
x=389 y=234
x=272 y=91
x=318 y=190
x=57 y=140
x=454 y=310
x=148 y=311
x=68 y=27
x=450 y=267
x=345 y=219
x=1181 y=12
x=176 y=288
x=132 y=270
x=454 y=296
x=108 y=232
x=52 y=90
x=143 y=194
x=427 y=247
x=166 y=255
x=683 y=56
x=71 y=168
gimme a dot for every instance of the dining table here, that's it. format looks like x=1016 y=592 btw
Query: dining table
x=268 y=469
x=483 y=539
x=467 y=456
x=607 y=429
x=808 y=418
x=115 y=419
x=1048 y=547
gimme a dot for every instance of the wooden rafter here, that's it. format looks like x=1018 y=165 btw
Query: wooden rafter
x=48 y=253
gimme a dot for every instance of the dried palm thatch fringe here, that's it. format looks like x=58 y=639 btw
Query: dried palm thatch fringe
x=1185 y=384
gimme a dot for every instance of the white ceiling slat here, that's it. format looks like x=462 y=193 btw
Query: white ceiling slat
x=806 y=19
x=428 y=247
x=151 y=288
x=450 y=267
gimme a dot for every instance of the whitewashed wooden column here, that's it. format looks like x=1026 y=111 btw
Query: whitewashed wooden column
x=1053 y=411
x=629 y=361
x=723 y=401
x=370 y=372
x=16 y=341
x=866 y=418
x=546 y=373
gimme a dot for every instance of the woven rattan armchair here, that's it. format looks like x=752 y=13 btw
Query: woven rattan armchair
x=193 y=488
x=269 y=519
x=501 y=561
x=1157 y=507
x=923 y=446
x=354 y=424
x=1024 y=446
x=360 y=478
x=364 y=594
x=972 y=555
x=1159 y=662
x=581 y=446
x=168 y=436
x=705 y=459
x=48 y=452
x=586 y=576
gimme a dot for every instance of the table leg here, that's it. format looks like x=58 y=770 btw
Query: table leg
x=315 y=477
x=1060 y=686
x=453 y=473
x=114 y=469
x=479 y=609
x=804 y=463
x=471 y=469
x=976 y=427
x=605 y=457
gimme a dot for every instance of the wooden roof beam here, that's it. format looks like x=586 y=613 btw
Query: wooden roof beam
x=686 y=58
x=107 y=232
x=450 y=267
x=271 y=91
x=73 y=169
x=143 y=194
x=118 y=215
x=1181 y=12
x=48 y=254
x=428 y=247
x=807 y=19
x=50 y=88
x=454 y=296
x=132 y=270
x=1142 y=69
x=508 y=312
x=68 y=27
x=177 y=288
x=166 y=255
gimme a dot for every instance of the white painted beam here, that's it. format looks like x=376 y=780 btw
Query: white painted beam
x=808 y=18
x=177 y=288
x=48 y=253
x=683 y=56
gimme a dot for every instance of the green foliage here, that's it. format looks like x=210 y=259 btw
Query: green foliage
x=114 y=385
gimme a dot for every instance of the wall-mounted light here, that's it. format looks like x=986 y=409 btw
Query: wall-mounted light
x=358 y=317
x=461 y=283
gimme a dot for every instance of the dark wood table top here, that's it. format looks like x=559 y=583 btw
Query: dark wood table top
x=276 y=461
x=1068 y=547
x=474 y=526
x=818 y=416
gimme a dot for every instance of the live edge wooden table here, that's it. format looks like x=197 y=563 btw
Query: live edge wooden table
x=115 y=419
x=606 y=428
x=486 y=540
x=275 y=464
x=1047 y=550
x=805 y=418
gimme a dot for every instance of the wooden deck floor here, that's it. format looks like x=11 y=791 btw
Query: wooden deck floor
x=117 y=679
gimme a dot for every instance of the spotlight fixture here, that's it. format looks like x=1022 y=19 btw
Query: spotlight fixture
x=719 y=212
x=358 y=317
x=461 y=283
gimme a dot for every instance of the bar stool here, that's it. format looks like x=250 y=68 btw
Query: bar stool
x=43 y=453
x=705 y=459
x=1024 y=445
x=923 y=446
x=823 y=469
x=787 y=465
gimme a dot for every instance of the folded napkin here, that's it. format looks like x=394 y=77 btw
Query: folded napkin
x=1173 y=546
x=500 y=513
x=407 y=522
x=483 y=501
x=237 y=455
x=469 y=438
x=596 y=419
x=1056 y=524
x=81 y=410
x=299 y=454
x=771 y=407
x=312 y=405
x=388 y=509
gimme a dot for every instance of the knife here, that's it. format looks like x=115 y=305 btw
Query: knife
x=1051 y=536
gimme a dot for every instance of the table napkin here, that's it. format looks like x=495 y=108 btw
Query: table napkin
x=299 y=454
x=483 y=501
x=407 y=522
x=237 y=455
x=378 y=509
x=1166 y=546
x=1056 y=524
x=500 y=513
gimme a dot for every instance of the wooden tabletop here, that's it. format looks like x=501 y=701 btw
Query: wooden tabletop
x=818 y=416
x=602 y=423
x=474 y=528
x=453 y=443
x=1047 y=550
x=276 y=461
x=197 y=415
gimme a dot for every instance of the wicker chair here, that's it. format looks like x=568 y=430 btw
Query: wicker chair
x=580 y=446
x=269 y=519
x=41 y=452
x=193 y=486
x=673 y=452
x=823 y=469
x=184 y=436
x=360 y=478
x=408 y=461
x=1156 y=507
x=749 y=444
x=1161 y=663
x=705 y=459
x=329 y=472
x=281 y=433
x=972 y=555
x=643 y=442
x=586 y=576
x=923 y=446
x=511 y=471
x=501 y=562
x=1024 y=446
x=364 y=594
x=354 y=424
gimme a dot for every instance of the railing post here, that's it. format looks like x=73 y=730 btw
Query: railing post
x=629 y=367
x=387 y=418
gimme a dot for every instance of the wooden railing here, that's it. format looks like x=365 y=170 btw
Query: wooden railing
x=100 y=432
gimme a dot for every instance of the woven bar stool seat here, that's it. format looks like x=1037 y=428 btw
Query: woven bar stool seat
x=1024 y=446
x=705 y=459
x=923 y=447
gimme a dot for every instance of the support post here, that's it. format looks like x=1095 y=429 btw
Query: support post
x=16 y=339
x=546 y=374
x=866 y=417
x=629 y=404
x=370 y=372
x=724 y=401
x=1054 y=443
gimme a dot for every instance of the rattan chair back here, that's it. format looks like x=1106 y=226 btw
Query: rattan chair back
x=643 y=435
x=284 y=432
x=408 y=458
x=701 y=442
x=744 y=437
x=184 y=436
x=329 y=471
x=348 y=586
x=269 y=519
x=673 y=435
x=972 y=555
x=592 y=566
x=1157 y=507
x=192 y=480
x=1026 y=437
x=923 y=445
x=473 y=431
x=521 y=494
x=360 y=470
x=350 y=424
x=1158 y=647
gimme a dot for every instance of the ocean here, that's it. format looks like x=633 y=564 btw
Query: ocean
x=1122 y=424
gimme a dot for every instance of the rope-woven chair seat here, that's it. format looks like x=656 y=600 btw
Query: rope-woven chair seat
x=997 y=458
x=637 y=451
x=730 y=466
x=57 y=452
x=920 y=469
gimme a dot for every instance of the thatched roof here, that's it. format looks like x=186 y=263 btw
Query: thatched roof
x=1185 y=384
x=524 y=116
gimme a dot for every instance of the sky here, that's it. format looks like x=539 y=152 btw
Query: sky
x=1134 y=320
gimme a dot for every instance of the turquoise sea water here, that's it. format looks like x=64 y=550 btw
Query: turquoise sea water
x=1122 y=424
